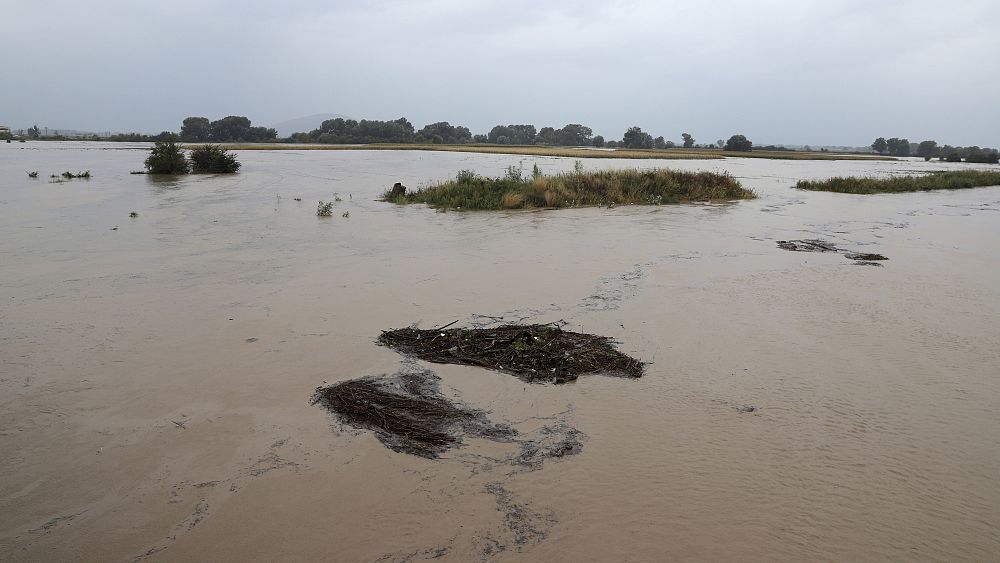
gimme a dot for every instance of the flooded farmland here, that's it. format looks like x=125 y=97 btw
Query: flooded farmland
x=156 y=370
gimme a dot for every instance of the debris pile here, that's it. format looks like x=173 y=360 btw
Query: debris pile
x=408 y=413
x=534 y=353
x=815 y=245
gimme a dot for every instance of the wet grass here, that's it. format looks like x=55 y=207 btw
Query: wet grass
x=570 y=152
x=576 y=189
x=949 y=180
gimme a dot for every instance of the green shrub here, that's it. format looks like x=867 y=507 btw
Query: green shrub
x=214 y=159
x=324 y=209
x=167 y=158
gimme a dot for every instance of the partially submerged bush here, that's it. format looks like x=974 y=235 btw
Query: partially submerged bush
x=214 y=159
x=576 y=189
x=324 y=209
x=167 y=158
x=33 y=174
x=69 y=175
x=950 y=180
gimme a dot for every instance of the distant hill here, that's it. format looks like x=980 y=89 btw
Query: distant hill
x=304 y=124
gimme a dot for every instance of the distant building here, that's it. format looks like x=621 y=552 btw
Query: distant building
x=4 y=129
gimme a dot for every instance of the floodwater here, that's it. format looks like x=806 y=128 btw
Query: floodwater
x=155 y=378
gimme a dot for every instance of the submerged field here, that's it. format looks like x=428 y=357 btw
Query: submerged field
x=938 y=180
x=569 y=152
x=157 y=370
x=576 y=189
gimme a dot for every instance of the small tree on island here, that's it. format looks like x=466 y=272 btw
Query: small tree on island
x=167 y=158
x=214 y=159
x=739 y=143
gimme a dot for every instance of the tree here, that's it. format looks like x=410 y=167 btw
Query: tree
x=574 y=135
x=513 y=135
x=166 y=158
x=599 y=141
x=898 y=147
x=195 y=129
x=739 y=143
x=688 y=140
x=546 y=136
x=444 y=132
x=927 y=149
x=720 y=143
x=34 y=132
x=983 y=156
x=880 y=145
x=634 y=138
x=659 y=143
x=165 y=136
x=238 y=128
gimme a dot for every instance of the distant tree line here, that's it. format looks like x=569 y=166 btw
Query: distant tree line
x=234 y=128
x=350 y=131
x=930 y=149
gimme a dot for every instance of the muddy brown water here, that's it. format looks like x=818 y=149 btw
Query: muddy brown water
x=155 y=379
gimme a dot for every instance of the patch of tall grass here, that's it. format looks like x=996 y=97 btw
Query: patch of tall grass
x=946 y=180
x=576 y=189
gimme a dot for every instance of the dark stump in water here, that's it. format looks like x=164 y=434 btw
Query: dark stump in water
x=408 y=413
x=534 y=353
x=398 y=190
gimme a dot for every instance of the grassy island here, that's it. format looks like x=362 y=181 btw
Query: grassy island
x=950 y=180
x=575 y=189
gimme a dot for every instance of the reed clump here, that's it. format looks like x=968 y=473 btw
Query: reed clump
x=944 y=180
x=579 y=188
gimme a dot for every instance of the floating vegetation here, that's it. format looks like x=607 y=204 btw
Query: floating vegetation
x=533 y=353
x=574 y=189
x=942 y=180
x=138 y=172
x=809 y=245
x=133 y=215
x=408 y=413
x=69 y=175
x=816 y=245
x=324 y=209
x=33 y=174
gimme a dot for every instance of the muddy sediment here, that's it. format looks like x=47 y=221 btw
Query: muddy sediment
x=533 y=353
x=408 y=413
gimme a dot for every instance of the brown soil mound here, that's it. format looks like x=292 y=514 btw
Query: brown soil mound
x=534 y=353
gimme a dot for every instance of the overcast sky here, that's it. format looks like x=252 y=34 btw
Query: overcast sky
x=837 y=72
